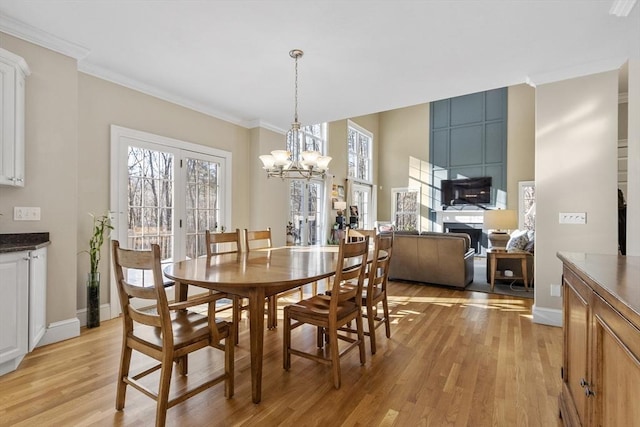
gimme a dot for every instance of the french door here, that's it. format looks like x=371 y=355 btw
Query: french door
x=306 y=212
x=361 y=197
x=166 y=192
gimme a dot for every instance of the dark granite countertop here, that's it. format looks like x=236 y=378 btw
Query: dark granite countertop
x=16 y=242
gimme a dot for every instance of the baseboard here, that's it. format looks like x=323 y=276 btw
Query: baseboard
x=547 y=316
x=60 y=331
x=105 y=314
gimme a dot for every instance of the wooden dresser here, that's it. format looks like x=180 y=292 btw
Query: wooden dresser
x=601 y=360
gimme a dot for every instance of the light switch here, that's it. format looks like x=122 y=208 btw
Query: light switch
x=573 y=218
x=26 y=213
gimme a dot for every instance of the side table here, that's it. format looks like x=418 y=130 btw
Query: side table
x=496 y=254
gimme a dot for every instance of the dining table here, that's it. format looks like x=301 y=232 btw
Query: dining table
x=255 y=275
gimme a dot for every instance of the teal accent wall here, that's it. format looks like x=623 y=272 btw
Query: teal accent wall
x=469 y=139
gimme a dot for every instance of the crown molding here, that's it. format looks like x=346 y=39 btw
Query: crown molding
x=264 y=125
x=147 y=89
x=581 y=70
x=42 y=38
x=622 y=8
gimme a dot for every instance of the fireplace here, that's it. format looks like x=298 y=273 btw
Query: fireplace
x=474 y=230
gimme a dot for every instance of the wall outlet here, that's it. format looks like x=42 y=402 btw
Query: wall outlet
x=573 y=218
x=26 y=213
x=556 y=290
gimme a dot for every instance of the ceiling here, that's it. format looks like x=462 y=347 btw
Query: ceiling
x=230 y=59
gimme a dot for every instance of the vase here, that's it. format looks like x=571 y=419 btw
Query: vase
x=93 y=300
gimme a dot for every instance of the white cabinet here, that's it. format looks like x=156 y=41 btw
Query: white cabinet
x=14 y=314
x=23 y=284
x=37 y=296
x=13 y=71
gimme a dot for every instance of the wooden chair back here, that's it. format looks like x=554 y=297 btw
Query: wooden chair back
x=379 y=271
x=147 y=262
x=353 y=234
x=167 y=338
x=223 y=243
x=350 y=273
x=257 y=239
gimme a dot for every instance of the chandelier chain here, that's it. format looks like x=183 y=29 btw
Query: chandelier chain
x=295 y=112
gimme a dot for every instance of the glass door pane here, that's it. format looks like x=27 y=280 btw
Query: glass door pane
x=202 y=208
x=305 y=212
x=150 y=207
x=361 y=197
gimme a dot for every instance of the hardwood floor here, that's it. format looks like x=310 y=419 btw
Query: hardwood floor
x=454 y=359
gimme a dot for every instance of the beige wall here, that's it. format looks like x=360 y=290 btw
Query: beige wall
x=102 y=104
x=404 y=155
x=269 y=197
x=576 y=158
x=68 y=118
x=51 y=182
x=633 y=176
x=337 y=149
x=520 y=140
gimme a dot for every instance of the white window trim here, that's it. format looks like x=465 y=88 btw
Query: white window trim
x=360 y=129
x=118 y=135
x=393 y=204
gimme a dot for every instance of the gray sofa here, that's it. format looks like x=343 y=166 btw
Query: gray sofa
x=430 y=257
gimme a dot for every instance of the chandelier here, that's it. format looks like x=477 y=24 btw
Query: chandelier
x=296 y=162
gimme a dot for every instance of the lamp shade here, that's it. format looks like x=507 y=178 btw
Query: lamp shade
x=500 y=219
x=339 y=206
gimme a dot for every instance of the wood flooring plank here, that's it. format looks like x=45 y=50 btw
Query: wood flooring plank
x=455 y=358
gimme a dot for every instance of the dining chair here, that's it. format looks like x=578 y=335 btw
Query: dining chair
x=226 y=243
x=261 y=239
x=375 y=289
x=165 y=332
x=355 y=234
x=330 y=312
x=223 y=243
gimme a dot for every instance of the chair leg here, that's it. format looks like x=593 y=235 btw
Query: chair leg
x=371 y=320
x=335 y=356
x=320 y=336
x=387 y=323
x=286 y=338
x=237 y=317
x=229 y=361
x=125 y=363
x=359 y=325
x=163 y=390
x=272 y=312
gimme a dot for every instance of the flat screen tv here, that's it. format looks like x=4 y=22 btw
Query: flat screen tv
x=467 y=191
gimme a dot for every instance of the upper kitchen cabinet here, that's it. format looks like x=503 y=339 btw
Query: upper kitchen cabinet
x=13 y=71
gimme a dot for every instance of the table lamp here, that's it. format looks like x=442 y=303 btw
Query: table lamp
x=499 y=222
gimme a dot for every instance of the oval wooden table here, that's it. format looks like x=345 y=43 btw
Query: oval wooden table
x=255 y=275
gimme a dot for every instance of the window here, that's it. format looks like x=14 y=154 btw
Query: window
x=361 y=198
x=405 y=209
x=359 y=142
x=527 y=205
x=306 y=206
x=168 y=192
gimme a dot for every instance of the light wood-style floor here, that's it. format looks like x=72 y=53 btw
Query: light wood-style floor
x=454 y=359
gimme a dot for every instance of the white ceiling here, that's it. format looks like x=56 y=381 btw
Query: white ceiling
x=230 y=58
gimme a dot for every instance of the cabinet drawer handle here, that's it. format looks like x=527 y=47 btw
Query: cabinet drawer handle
x=583 y=383
x=588 y=392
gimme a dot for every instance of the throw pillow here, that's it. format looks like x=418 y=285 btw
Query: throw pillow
x=518 y=240
x=530 y=246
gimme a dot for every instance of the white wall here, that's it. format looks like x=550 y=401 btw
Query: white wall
x=633 y=177
x=576 y=171
x=51 y=181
